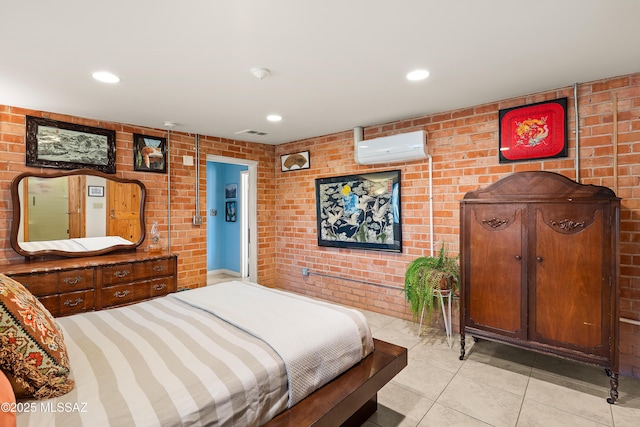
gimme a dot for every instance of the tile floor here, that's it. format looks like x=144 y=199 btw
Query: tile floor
x=214 y=277
x=496 y=385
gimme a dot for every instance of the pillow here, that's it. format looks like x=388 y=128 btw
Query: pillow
x=7 y=400
x=32 y=350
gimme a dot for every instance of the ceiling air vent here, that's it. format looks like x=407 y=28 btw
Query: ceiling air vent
x=251 y=132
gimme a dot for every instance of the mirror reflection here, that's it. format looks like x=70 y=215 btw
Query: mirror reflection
x=76 y=213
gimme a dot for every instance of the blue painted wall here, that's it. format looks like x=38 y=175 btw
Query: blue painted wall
x=223 y=238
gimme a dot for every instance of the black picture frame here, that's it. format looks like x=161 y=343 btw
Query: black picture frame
x=149 y=153
x=533 y=131
x=230 y=212
x=61 y=145
x=360 y=211
x=231 y=191
x=95 y=191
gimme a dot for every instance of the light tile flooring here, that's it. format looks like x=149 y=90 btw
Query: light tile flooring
x=214 y=277
x=496 y=385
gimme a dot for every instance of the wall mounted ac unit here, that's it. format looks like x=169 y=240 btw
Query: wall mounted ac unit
x=402 y=147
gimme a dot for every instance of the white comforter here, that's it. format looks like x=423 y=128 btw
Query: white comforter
x=316 y=340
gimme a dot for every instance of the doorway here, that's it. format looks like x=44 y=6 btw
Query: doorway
x=231 y=239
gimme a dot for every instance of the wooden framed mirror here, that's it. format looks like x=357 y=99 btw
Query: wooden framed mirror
x=76 y=213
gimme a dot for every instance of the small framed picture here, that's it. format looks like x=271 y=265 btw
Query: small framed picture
x=296 y=161
x=95 y=190
x=230 y=212
x=149 y=153
x=231 y=191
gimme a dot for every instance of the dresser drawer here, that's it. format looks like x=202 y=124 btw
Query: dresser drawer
x=55 y=282
x=75 y=280
x=69 y=303
x=39 y=284
x=77 y=302
x=162 y=286
x=157 y=268
x=119 y=273
x=124 y=294
x=135 y=271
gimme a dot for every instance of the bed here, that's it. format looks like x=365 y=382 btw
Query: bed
x=232 y=354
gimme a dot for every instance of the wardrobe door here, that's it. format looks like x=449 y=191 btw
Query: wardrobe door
x=494 y=262
x=570 y=282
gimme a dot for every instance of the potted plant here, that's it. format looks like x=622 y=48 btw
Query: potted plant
x=426 y=277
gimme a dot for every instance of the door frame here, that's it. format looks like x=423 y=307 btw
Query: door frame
x=252 y=210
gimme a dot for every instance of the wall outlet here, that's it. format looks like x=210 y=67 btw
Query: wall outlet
x=305 y=272
x=197 y=220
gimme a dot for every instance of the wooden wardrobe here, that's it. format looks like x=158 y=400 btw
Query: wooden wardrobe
x=539 y=268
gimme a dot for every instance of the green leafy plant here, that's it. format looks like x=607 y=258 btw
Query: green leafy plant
x=427 y=275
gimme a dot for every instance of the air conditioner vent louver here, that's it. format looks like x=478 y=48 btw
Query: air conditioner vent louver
x=402 y=147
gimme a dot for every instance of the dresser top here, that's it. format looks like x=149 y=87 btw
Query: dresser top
x=50 y=265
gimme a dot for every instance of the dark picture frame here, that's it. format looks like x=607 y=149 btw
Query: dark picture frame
x=231 y=191
x=95 y=191
x=295 y=161
x=230 y=212
x=360 y=211
x=149 y=153
x=61 y=145
x=533 y=131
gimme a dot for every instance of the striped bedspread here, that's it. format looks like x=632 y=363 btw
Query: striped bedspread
x=165 y=362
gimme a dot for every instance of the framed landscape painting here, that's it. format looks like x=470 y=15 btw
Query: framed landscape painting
x=54 y=144
x=360 y=211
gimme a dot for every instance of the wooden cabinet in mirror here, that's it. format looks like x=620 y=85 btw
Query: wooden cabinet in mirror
x=76 y=213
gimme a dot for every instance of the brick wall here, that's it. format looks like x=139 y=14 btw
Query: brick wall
x=187 y=240
x=464 y=149
x=463 y=145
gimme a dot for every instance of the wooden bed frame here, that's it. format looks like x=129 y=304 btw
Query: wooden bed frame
x=350 y=399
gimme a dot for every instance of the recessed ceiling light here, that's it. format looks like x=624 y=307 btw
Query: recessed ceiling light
x=416 y=75
x=105 y=77
x=274 y=118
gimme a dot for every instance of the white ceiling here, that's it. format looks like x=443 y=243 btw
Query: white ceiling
x=335 y=64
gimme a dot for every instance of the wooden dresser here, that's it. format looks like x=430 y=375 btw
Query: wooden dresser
x=539 y=268
x=74 y=285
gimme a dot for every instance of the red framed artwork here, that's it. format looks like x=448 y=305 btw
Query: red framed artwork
x=534 y=131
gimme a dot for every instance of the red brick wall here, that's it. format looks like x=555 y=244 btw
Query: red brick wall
x=464 y=149
x=187 y=240
x=463 y=145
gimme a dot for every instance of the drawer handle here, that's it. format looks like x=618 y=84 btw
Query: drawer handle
x=120 y=274
x=539 y=259
x=72 y=281
x=159 y=268
x=70 y=303
x=159 y=287
x=518 y=257
x=121 y=294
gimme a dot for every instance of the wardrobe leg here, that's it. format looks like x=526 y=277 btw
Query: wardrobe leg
x=613 y=380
